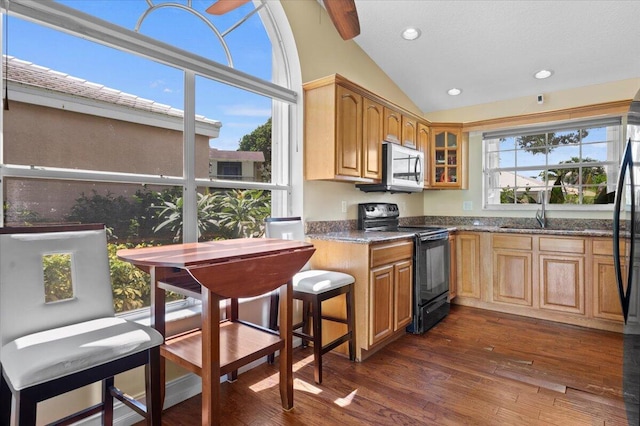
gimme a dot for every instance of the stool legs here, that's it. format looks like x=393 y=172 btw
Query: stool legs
x=306 y=327
x=5 y=402
x=317 y=339
x=312 y=310
x=351 y=323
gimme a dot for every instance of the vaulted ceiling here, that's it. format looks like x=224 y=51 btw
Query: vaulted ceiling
x=491 y=49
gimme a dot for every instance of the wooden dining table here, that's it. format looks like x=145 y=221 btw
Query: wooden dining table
x=217 y=270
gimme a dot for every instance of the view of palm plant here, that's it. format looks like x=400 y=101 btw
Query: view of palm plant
x=567 y=185
x=151 y=218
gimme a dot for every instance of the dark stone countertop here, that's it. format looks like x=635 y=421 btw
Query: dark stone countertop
x=366 y=237
x=361 y=237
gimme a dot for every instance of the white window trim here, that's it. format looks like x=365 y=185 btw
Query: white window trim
x=87 y=26
x=287 y=178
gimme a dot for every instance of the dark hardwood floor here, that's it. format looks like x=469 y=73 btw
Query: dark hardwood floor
x=475 y=367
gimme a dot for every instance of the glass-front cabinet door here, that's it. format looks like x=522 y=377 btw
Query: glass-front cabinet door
x=446 y=167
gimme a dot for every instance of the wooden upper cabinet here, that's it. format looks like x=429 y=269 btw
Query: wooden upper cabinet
x=348 y=133
x=392 y=125
x=409 y=131
x=400 y=128
x=372 y=131
x=345 y=126
x=446 y=158
x=342 y=133
x=423 y=144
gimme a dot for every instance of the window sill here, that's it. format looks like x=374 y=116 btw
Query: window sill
x=551 y=207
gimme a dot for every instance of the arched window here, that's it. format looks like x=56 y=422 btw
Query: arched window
x=165 y=122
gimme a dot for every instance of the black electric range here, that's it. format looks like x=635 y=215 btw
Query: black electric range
x=431 y=262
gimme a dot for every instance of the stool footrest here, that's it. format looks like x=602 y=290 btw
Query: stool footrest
x=334 y=319
x=340 y=340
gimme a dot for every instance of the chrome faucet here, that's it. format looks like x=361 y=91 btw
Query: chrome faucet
x=540 y=214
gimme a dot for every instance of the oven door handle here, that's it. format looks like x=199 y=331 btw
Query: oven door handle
x=434 y=237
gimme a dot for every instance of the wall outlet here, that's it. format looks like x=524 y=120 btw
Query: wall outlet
x=467 y=205
x=344 y=206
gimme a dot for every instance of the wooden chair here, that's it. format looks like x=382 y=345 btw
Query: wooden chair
x=49 y=346
x=312 y=287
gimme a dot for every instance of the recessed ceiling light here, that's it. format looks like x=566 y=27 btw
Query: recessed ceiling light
x=411 y=33
x=454 y=92
x=542 y=74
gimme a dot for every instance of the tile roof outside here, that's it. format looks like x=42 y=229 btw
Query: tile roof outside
x=30 y=74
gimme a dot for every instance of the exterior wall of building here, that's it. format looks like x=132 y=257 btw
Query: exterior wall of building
x=42 y=136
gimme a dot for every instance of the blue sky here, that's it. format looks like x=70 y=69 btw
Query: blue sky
x=240 y=112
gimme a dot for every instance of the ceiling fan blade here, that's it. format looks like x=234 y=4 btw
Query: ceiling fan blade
x=221 y=7
x=344 y=16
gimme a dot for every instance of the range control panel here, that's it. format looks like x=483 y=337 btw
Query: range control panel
x=375 y=215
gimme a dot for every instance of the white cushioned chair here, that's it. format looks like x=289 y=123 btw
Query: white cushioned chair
x=49 y=346
x=312 y=287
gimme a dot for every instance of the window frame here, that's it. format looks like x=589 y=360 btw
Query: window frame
x=551 y=127
x=286 y=183
x=83 y=25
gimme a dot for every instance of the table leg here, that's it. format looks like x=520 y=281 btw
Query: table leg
x=158 y=320
x=286 y=353
x=210 y=372
x=232 y=315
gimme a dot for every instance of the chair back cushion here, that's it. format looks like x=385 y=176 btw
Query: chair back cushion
x=286 y=228
x=23 y=308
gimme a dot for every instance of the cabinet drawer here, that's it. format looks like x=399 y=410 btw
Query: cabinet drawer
x=388 y=253
x=513 y=242
x=562 y=245
x=604 y=247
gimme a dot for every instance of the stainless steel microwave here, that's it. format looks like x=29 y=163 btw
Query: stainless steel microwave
x=403 y=170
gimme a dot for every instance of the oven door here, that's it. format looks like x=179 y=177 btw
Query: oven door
x=432 y=265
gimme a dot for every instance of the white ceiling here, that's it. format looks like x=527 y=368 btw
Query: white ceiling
x=491 y=49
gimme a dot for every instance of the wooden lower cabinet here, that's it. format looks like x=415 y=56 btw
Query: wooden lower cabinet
x=512 y=269
x=380 y=304
x=512 y=277
x=558 y=278
x=389 y=300
x=453 y=285
x=606 y=301
x=383 y=288
x=562 y=277
x=562 y=283
x=402 y=296
x=468 y=265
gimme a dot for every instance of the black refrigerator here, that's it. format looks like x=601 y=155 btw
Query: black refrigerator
x=626 y=247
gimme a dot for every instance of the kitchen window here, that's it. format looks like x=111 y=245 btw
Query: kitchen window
x=112 y=114
x=571 y=165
